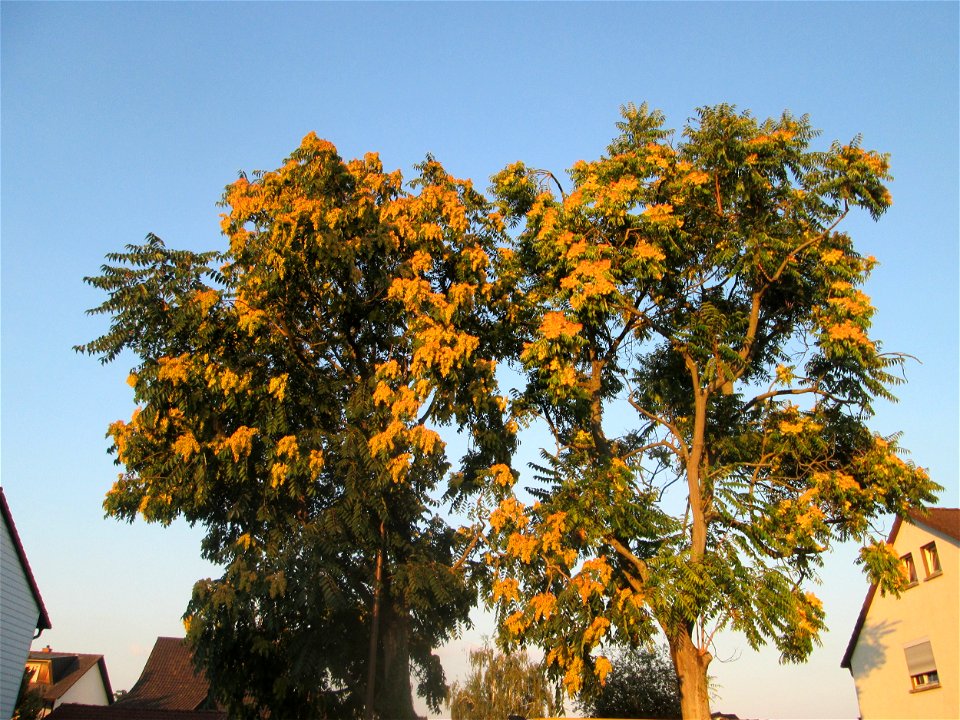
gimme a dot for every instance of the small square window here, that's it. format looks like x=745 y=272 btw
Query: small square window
x=931 y=560
x=909 y=568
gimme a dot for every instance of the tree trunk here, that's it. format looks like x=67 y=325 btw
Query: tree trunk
x=374 y=635
x=691 y=667
x=394 y=694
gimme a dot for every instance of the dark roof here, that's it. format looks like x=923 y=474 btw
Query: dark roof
x=43 y=620
x=67 y=669
x=944 y=520
x=73 y=711
x=168 y=680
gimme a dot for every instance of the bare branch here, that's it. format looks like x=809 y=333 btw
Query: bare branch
x=683 y=449
x=790 y=391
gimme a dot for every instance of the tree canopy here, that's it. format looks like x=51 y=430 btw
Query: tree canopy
x=503 y=685
x=690 y=326
x=642 y=684
x=289 y=393
x=696 y=338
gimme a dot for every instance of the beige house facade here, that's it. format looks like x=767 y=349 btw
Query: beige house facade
x=904 y=653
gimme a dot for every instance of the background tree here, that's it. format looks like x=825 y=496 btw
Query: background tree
x=642 y=684
x=500 y=685
x=288 y=393
x=30 y=704
x=697 y=341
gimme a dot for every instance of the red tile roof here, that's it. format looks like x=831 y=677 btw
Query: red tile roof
x=43 y=621
x=943 y=520
x=67 y=669
x=73 y=711
x=168 y=680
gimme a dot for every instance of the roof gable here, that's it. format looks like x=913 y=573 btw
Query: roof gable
x=67 y=669
x=168 y=680
x=944 y=520
x=43 y=621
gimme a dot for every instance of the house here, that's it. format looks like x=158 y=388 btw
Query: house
x=61 y=678
x=168 y=680
x=22 y=614
x=169 y=688
x=904 y=653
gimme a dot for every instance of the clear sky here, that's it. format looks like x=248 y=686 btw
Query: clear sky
x=123 y=119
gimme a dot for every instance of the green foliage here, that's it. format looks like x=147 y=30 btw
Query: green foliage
x=30 y=704
x=500 y=685
x=642 y=684
x=693 y=331
x=692 y=326
x=289 y=390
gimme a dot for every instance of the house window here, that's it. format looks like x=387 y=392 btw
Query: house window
x=931 y=560
x=909 y=568
x=40 y=672
x=921 y=666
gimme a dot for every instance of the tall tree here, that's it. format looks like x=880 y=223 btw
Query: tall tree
x=289 y=392
x=697 y=341
x=503 y=685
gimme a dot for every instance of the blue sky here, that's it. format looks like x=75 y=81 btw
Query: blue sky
x=123 y=119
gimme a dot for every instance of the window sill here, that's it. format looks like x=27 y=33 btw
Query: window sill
x=912 y=584
x=931 y=576
x=924 y=688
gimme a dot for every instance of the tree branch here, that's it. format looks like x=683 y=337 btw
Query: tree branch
x=625 y=552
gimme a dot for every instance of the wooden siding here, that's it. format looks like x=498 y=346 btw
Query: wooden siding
x=19 y=615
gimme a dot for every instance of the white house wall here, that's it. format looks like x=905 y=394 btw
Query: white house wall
x=18 y=621
x=88 y=690
x=928 y=610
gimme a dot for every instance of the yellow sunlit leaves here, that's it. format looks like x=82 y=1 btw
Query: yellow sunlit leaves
x=278 y=474
x=241 y=441
x=502 y=475
x=516 y=623
x=543 y=605
x=186 y=446
x=598 y=628
x=659 y=213
x=278 y=386
x=645 y=251
x=588 y=280
x=556 y=325
x=849 y=332
x=832 y=256
x=573 y=677
x=312 y=143
x=426 y=440
x=506 y=590
x=287 y=447
x=510 y=510
x=442 y=349
x=602 y=667
x=521 y=546
x=383 y=442
x=174 y=369
x=784 y=374
x=399 y=466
